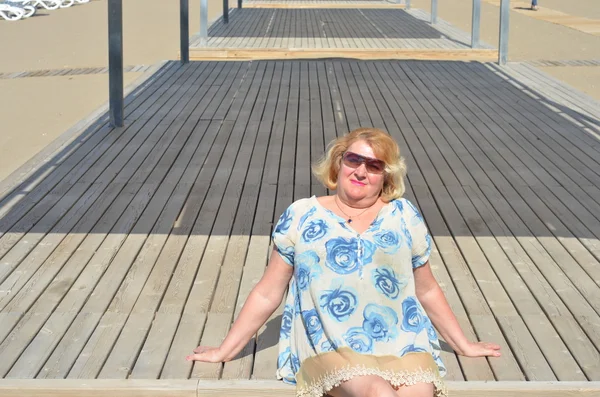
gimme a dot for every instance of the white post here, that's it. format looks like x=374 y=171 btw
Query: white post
x=203 y=21
x=504 y=25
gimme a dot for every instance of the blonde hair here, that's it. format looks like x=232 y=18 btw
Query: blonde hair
x=385 y=148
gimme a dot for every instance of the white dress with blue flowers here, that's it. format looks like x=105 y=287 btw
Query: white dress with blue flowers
x=351 y=308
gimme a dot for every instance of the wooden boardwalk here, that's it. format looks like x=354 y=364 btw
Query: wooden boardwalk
x=133 y=245
x=298 y=4
x=358 y=33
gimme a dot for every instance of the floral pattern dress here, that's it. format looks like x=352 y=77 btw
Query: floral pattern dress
x=351 y=307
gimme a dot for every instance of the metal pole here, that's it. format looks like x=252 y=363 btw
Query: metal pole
x=434 y=4
x=476 y=24
x=239 y=3
x=203 y=21
x=504 y=24
x=408 y=4
x=184 y=30
x=115 y=62
x=226 y=11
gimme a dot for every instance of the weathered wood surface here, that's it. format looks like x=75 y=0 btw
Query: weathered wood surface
x=363 y=33
x=143 y=241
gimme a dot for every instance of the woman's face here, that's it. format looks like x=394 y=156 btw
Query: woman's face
x=356 y=182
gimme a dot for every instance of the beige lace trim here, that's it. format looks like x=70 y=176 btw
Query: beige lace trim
x=328 y=381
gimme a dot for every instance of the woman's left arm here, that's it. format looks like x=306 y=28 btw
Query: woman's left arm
x=439 y=312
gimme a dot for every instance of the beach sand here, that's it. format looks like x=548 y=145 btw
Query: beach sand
x=36 y=110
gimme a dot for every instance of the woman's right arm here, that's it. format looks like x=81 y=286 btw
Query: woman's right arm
x=263 y=300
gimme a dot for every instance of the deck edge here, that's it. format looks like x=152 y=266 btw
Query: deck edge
x=250 y=388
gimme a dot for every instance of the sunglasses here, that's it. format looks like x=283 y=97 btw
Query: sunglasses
x=354 y=160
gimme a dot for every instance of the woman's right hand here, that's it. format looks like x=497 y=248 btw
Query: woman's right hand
x=207 y=354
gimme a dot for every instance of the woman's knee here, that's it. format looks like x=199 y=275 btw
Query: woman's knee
x=364 y=386
x=416 y=390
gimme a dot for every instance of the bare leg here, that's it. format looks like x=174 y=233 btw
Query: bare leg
x=418 y=390
x=364 y=386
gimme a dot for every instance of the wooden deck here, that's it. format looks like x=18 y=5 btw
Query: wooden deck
x=358 y=33
x=133 y=245
x=298 y=4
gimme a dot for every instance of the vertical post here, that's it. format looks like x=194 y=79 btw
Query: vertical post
x=115 y=62
x=408 y=4
x=504 y=24
x=226 y=11
x=239 y=3
x=434 y=9
x=203 y=21
x=184 y=30
x=476 y=24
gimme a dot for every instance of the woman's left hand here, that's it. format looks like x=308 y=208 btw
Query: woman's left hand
x=480 y=349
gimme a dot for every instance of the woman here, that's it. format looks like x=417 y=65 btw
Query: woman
x=362 y=301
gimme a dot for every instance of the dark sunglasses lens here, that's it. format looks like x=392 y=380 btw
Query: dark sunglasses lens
x=353 y=160
x=375 y=166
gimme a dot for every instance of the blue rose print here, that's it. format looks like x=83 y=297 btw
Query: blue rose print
x=342 y=255
x=398 y=206
x=315 y=230
x=285 y=220
x=419 y=260
x=376 y=225
x=339 y=303
x=388 y=240
x=407 y=235
x=412 y=349
x=386 y=281
x=286 y=322
x=329 y=345
x=307 y=268
x=312 y=323
x=294 y=292
x=287 y=359
x=306 y=216
x=380 y=322
x=287 y=254
x=414 y=320
x=417 y=218
x=433 y=337
x=359 y=340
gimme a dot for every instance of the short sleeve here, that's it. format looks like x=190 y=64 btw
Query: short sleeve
x=284 y=236
x=421 y=240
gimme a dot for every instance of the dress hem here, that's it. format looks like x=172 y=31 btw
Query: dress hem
x=326 y=382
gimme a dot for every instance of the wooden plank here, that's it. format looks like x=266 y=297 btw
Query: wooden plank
x=317 y=120
x=99 y=387
x=551 y=244
x=255 y=256
x=555 y=354
x=187 y=336
x=302 y=174
x=81 y=288
x=53 y=216
x=121 y=353
x=547 y=130
x=37 y=185
x=217 y=325
x=240 y=388
x=210 y=54
x=297 y=5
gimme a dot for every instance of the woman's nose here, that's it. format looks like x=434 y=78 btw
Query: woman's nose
x=361 y=170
